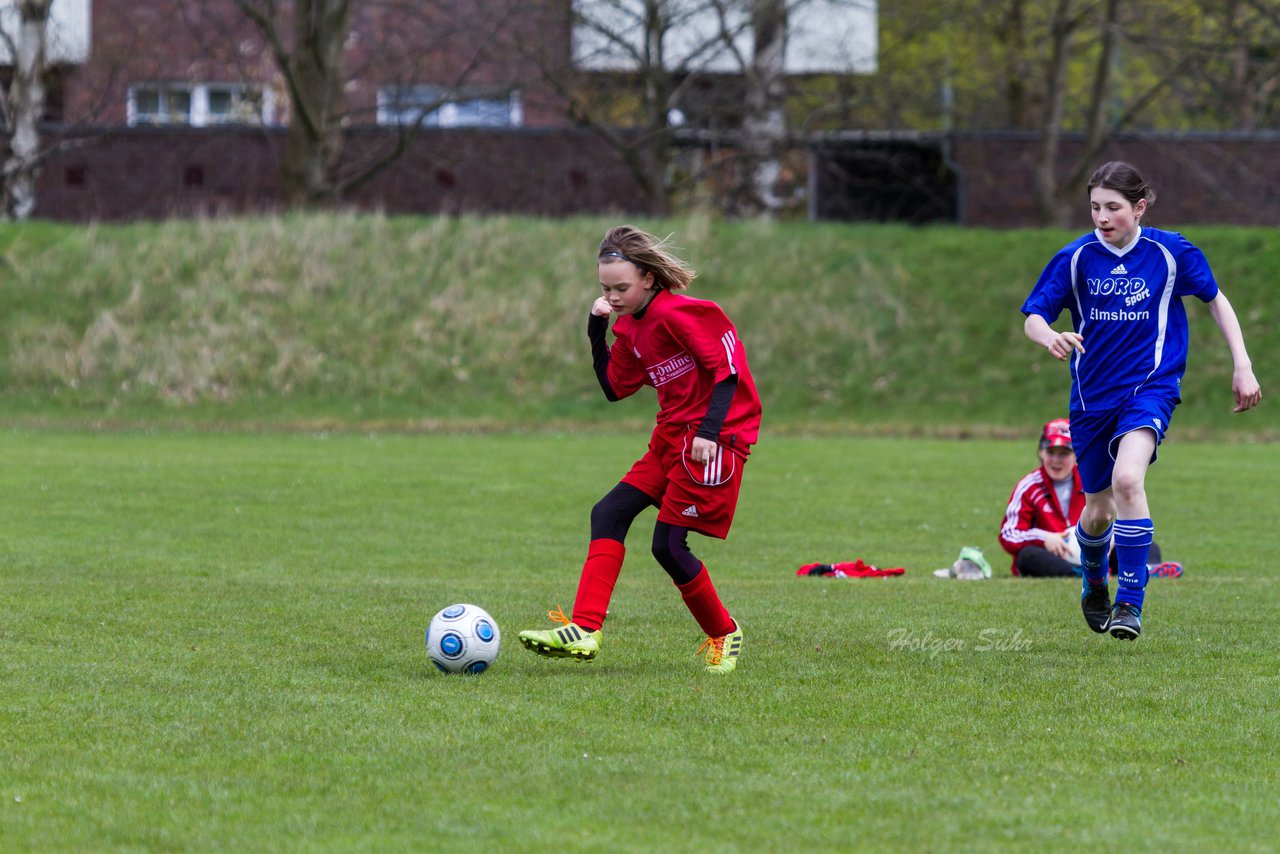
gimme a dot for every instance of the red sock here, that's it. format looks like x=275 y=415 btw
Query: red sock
x=595 y=588
x=704 y=603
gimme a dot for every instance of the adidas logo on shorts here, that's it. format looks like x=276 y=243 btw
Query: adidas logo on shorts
x=690 y=511
x=1120 y=271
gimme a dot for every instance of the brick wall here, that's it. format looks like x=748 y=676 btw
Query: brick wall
x=133 y=173
x=1199 y=178
x=151 y=173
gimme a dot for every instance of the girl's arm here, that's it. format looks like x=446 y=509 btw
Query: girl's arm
x=596 y=327
x=1244 y=386
x=1060 y=344
x=1019 y=530
x=703 y=449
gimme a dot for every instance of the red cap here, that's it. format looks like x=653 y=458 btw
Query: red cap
x=1056 y=434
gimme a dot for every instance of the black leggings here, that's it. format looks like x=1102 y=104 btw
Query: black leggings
x=671 y=548
x=611 y=519
x=1038 y=562
x=612 y=516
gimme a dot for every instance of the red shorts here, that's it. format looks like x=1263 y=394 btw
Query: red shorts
x=702 y=497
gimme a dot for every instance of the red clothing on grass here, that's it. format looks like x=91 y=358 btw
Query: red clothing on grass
x=1034 y=512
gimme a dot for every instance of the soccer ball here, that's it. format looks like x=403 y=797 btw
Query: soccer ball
x=1073 y=546
x=463 y=639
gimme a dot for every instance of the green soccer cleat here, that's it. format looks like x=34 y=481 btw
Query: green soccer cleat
x=722 y=653
x=568 y=641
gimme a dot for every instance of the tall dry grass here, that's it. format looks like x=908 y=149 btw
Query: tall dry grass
x=485 y=317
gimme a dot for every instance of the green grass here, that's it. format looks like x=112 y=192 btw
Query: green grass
x=213 y=641
x=372 y=322
x=236 y=489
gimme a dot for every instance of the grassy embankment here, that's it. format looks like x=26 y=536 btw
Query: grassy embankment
x=411 y=323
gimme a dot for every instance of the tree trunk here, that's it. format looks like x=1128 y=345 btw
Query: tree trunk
x=655 y=153
x=26 y=101
x=1054 y=197
x=1011 y=32
x=1099 y=125
x=764 y=123
x=1046 y=178
x=1238 y=95
x=314 y=141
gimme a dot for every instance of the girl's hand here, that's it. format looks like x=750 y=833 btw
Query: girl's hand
x=702 y=450
x=601 y=307
x=1246 y=389
x=1056 y=545
x=1063 y=343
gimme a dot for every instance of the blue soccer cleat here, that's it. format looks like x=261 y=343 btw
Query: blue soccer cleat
x=1095 y=602
x=1126 y=621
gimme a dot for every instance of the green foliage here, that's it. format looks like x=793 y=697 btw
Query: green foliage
x=1215 y=66
x=214 y=642
x=368 y=321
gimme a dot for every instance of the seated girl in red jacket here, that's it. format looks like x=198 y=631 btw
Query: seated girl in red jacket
x=1039 y=523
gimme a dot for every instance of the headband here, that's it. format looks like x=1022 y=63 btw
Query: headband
x=616 y=254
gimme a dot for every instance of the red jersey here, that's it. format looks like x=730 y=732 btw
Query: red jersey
x=682 y=347
x=1034 y=511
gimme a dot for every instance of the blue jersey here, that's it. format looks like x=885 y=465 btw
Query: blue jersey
x=1127 y=303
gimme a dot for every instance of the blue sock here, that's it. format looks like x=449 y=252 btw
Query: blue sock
x=1133 y=545
x=1093 y=554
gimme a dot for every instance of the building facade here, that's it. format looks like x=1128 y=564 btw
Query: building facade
x=202 y=63
x=175 y=107
x=178 y=107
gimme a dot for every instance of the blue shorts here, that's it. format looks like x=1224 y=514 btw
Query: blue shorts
x=1095 y=436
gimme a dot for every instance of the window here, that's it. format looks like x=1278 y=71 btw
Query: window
x=159 y=105
x=823 y=36
x=198 y=104
x=436 y=106
x=239 y=105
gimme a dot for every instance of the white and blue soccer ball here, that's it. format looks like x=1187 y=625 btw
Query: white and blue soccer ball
x=463 y=639
x=1073 y=546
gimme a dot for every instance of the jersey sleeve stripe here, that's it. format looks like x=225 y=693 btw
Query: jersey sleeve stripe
x=1009 y=531
x=729 y=340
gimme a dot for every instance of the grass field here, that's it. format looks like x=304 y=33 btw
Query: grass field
x=213 y=641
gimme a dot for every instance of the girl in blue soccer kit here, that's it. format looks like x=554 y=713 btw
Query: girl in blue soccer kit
x=1123 y=284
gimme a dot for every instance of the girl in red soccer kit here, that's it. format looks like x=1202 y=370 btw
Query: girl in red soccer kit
x=1038 y=528
x=708 y=418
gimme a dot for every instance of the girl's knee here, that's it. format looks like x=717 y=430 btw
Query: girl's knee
x=1096 y=518
x=611 y=517
x=603 y=514
x=661 y=546
x=1128 y=485
x=671 y=550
